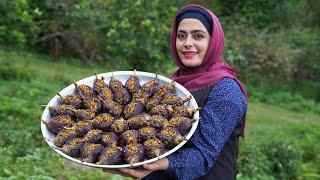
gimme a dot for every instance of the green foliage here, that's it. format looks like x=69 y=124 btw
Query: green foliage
x=292 y=101
x=308 y=64
x=9 y=72
x=285 y=61
x=16 y=23
x=256 y=13
x=139 y=32
x=272 y=158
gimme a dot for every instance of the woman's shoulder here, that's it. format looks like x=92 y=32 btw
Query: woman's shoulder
x=226 y=82
x=227 y=89
x=226 y=86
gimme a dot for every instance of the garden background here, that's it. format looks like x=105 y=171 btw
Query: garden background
x=273 y=44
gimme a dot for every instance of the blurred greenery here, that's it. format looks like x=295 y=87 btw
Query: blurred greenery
x=274 y=45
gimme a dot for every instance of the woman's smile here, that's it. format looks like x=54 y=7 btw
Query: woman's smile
x=189 y=54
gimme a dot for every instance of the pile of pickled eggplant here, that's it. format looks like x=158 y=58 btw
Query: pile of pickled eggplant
x=114 y=123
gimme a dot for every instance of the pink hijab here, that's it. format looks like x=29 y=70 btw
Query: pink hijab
x=212 y=68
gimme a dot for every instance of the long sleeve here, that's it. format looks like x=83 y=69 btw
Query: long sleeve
x=224 y=108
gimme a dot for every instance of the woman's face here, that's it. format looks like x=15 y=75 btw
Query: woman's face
x=192 y=42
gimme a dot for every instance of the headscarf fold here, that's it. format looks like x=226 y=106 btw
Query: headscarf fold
x=213 y=68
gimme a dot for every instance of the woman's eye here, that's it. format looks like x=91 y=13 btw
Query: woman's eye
x=198 y=36
x=181 y=36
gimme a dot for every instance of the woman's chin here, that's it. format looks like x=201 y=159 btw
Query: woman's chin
x=190 y=63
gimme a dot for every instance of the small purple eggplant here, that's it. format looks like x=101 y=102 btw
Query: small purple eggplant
x=62 y=110
x=93 y=104
x=103 y=121
x=132 y=109
x=93 y=136
x=129 y=137
x=157 y=121
x=133 y=153
x=119 y=126
x=109 y=139
x=152 y=103
x=65 y=136
x=73 y=147
x=160 y=109
x=84 y=114
x=122 y=96
x=151 y=86
x=182 y=111
x=141 y=95
x=90 y=152
x=165 y=90
x=115 y=84
x=133 y=83
x=99 y=84
x=72 y=100
x=106 y=94
x=147 y=133
x=84 y=90
x=82 y=127
x=120 y=93
x=112 y=108
x=136 y=122
x=110 y=155
x=153 y=148
x=183 y=124
x=170 y=136
x=174 y=100
x=57 y=123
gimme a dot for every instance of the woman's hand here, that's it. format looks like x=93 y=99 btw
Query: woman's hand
x=139 y=173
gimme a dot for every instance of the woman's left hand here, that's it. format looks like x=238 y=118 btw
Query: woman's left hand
x=139 y=173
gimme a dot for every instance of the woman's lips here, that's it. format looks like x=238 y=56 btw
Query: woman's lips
x=189 y=55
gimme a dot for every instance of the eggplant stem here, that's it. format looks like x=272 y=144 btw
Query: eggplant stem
x=58 y=148
x=47 y=139
x=41 y=120
x=112 y=75
x=68 y=128
x=187 y=99
x=100 y=98
x=74 y=82
x=59 y=95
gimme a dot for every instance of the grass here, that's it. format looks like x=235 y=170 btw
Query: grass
x=275 y=117
x=28 y=80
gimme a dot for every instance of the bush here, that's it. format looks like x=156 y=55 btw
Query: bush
x=253 y=13
x=290 y=100
x=271 y=159
x=10 y=72
x=308 y=64
x=17 y=28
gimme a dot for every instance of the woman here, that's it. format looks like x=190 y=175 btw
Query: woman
x=197 y=43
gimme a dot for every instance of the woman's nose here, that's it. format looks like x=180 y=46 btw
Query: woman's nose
x=188 y=43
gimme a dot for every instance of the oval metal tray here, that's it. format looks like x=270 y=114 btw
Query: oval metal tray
x=122 y=76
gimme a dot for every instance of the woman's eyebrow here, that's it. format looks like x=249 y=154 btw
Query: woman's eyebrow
x=194 y=31
x=182 y=31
